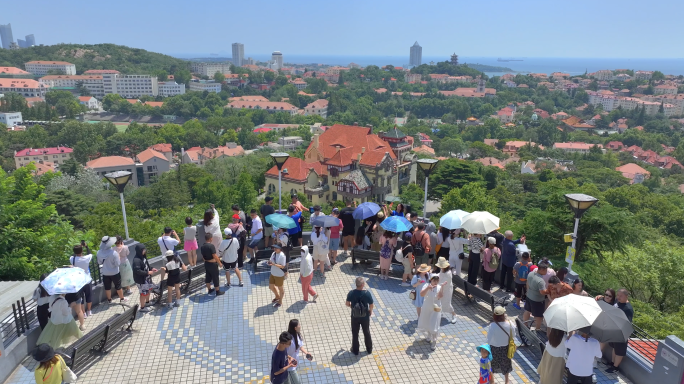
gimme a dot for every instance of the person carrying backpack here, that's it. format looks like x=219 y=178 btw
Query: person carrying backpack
x=361 y=303
x=520 y=271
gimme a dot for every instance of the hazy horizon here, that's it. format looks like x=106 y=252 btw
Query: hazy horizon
x=496 y=28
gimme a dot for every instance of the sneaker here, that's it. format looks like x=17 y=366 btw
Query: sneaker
x=227 y=285
x=144 y=309
x=175 y=304
x=315 y=297
x=277 y=305
x=219 y=293
x=90 y=313
x=274 y=301
x=85 y=315
x=169 y=306
x=82 y=328
x=127 y=291
x=405 y=284
x=109 y=301
x=125 y=299
x=453 y=320
x=613 y=369
x=209 y=291
x=516 y=306
x=241 y=285
x=433 y=345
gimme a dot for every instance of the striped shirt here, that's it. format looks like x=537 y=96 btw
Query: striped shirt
x=475 y=244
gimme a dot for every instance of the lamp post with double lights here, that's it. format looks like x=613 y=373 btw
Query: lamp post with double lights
x=427 y=165
x=280 y=158
x=119 y=179
x=579 y=203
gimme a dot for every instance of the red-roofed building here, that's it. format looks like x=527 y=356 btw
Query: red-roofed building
x=318 y=107
x=199 y=155
x=425 y=139
x=108 y=164
x=153 y=164
x=56 y=155
x=424 y=149
x=348 y=162
x=165 y=149
x=15 y=72
x=268 y=106
x=506 y=115
x=512 y=147
x=24 y=87
x=107 y=72
x=576 y=147
x=615 y=145
x=43 y=167
x=262 y=130
x=634 y=172
x=89 y=101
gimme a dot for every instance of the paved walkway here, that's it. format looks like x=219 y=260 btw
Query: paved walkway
x=230 y=338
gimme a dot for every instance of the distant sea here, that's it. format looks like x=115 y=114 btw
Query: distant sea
x=573 y=66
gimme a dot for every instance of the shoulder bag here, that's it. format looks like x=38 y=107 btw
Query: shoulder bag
x=412 y=295
x=511 y=343
x=68 y=376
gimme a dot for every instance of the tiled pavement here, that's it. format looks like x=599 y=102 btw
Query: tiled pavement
x=230 y=338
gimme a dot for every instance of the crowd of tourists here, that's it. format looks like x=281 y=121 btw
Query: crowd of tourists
x=427 y=255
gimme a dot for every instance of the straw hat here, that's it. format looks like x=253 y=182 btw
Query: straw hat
x=442 y=263
x=499 y=310
x=423 y=268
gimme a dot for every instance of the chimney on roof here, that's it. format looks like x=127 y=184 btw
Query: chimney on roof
x=358 y=158
x=363 y=149
x=315 y=140
x=356 y=124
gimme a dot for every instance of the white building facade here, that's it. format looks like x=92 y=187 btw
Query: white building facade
x=203 y=85
x=130 y=86
x=238 y=54
x=92 y=83
x=10 y=119
x=41 y=68
x=170 y=88
x=210 y=69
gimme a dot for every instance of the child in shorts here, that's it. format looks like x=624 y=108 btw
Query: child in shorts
x=520 y=271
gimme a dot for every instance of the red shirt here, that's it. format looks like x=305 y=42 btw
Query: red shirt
x=335 y=231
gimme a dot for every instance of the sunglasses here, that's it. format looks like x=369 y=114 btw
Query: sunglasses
x=608 y=295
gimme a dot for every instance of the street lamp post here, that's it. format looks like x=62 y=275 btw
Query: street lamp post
x=119 y=179
x=280 y=158
x=579 y=203
x=427 y=165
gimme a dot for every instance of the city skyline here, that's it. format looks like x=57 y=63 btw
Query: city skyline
x=510 y=31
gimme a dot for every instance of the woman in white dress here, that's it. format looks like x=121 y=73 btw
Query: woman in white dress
x=431 y=314
x=448 y=289
x=456 y=254
x=320 y=249
x=212 y=225
x=125 y=268
x=61 y=330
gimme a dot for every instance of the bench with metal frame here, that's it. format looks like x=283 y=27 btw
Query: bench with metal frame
x=101 y=337
x=459 y=283
x=528 y=337
x=196 y=279
x=479 y=293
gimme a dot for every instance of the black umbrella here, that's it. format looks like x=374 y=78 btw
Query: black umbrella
x=612 y=325
x=326 y=221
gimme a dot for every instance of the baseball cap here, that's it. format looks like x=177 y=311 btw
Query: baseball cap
x=269 y=198
x=499 y=311
x=228 y=232
x=236 y=217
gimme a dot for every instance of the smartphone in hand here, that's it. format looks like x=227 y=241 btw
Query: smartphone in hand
x=309 y=356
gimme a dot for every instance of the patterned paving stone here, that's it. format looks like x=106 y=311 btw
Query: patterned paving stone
x=230 y=338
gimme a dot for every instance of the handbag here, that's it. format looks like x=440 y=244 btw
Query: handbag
x=511 y=343
x=68 y=376
x=437 y=248
x=412 y=295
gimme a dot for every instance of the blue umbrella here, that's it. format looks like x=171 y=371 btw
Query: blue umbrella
x=326 y=221
x=281 y=221
x=396 y=224
x=453 y=219
x=65 y=280
x=365 y=210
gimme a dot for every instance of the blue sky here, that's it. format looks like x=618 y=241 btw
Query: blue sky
x=527 y=28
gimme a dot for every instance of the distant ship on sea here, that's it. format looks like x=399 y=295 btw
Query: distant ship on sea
x=507 y=60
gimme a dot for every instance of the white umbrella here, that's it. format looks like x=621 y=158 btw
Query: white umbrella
x=480 y=222
x=453 y=219
x=572 y=312
x=65 y=280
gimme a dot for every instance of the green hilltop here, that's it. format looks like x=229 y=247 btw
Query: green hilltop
x=99 y=56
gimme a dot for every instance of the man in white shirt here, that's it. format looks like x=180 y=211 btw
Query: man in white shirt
x=257 y=233
x=228 y=252
x=583 y=351
x=109 y=267
x=166 y=242
x=278 y=263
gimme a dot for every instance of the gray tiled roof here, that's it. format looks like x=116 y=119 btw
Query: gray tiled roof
x=359 y=178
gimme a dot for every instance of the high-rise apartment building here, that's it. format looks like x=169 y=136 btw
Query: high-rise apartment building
x=21 y=43
x=6 y=36
x=277 y=58
x=30 y=40
x=238 y=54
x=416 y=55
x=130 y=86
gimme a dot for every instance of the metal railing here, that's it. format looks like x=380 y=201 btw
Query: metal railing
x=644 y=344
x=22 y=319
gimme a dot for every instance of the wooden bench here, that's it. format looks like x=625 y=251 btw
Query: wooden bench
x=528 y=337
x=479 y=293
x=162 y=289
x=101 y=337
x=196 y=278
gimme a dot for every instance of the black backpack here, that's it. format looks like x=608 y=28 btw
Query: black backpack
x=359 y=308
x=418 y=249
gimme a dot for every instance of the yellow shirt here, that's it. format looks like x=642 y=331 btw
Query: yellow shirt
x=51 y=375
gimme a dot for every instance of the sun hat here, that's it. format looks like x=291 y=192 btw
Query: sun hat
x=485 y=347
x=380 y=215
x=491 y=240
x=442 y=263
x=108 y=241
x=228 y=232
x=499 y=310
x=43 y=353
x=168 y=253
x=423 y=268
